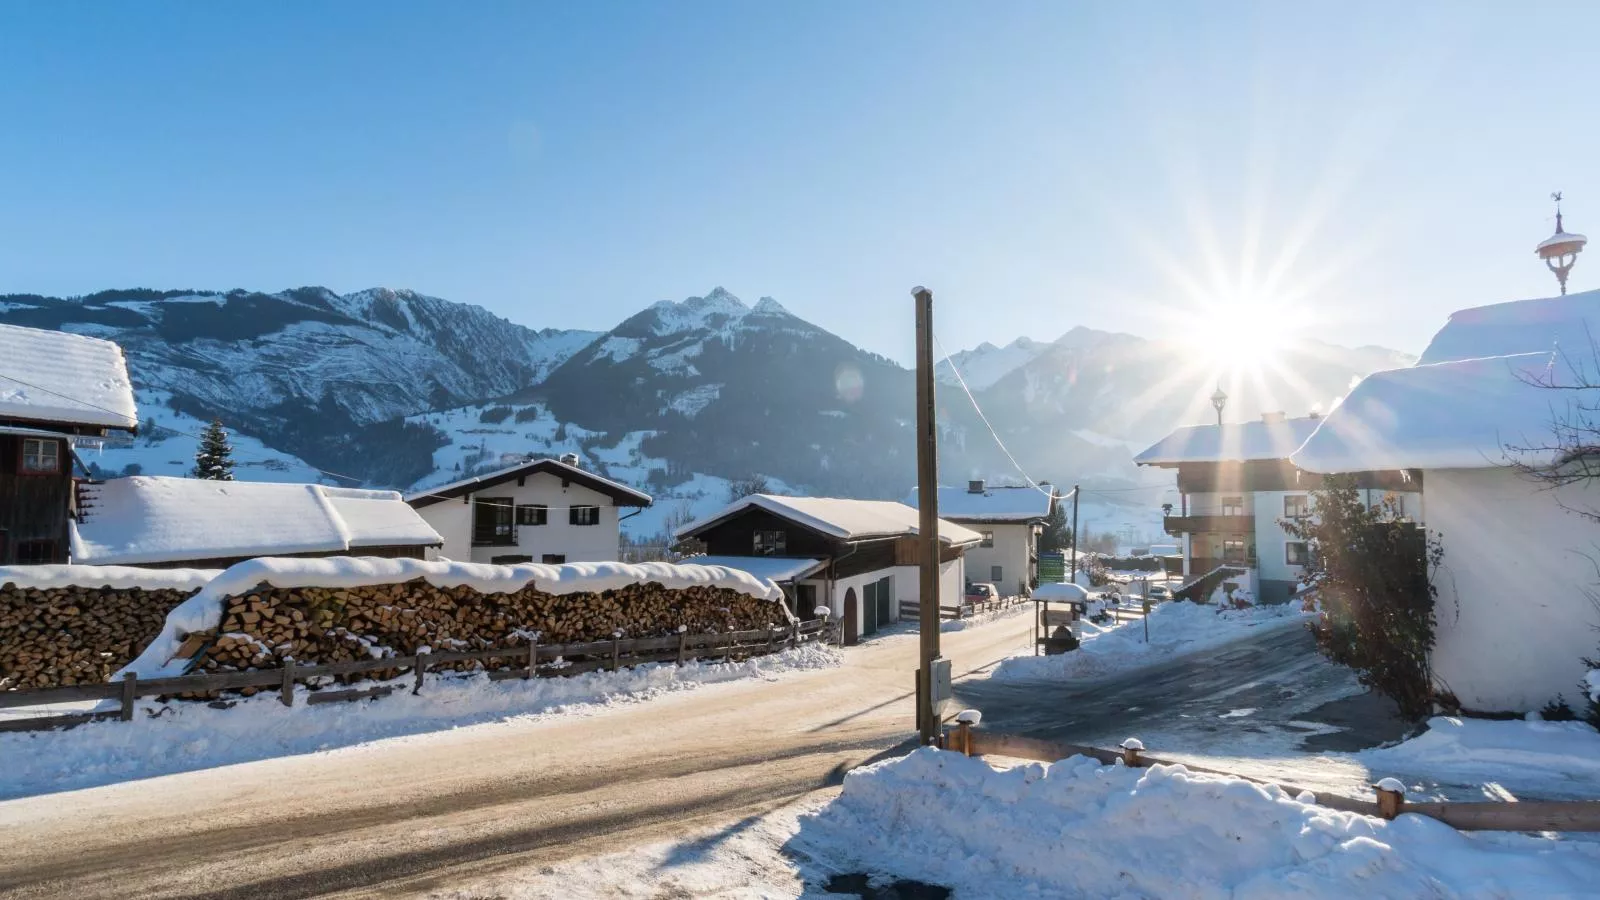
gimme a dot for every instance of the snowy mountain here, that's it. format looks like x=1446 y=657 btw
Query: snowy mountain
x=985 y=364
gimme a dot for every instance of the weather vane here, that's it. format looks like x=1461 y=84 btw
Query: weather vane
x=1560 y=250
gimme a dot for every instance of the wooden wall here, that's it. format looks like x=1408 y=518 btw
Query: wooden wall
x=33 y=507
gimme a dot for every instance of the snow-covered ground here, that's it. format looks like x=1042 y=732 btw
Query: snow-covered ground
x=183 y=736
x=1530 y=759
x=1073 y=829
x=1176 y=628
x=167 y=441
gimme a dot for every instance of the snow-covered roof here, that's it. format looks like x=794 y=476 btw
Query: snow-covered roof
x=154 y=519
x=1261 y=439
x=845 y=519
x=1521 y=326
x=1465 y=414
x=992 y=504
x=772 y=568
x=620 y=494
x=54 y=376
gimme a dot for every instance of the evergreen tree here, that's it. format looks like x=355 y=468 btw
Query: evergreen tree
x=214 y=460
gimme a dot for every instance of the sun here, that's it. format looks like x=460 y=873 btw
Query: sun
x=1241 y=334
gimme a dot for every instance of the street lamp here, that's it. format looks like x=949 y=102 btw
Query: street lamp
x=1218 y=401
x=1560 y=250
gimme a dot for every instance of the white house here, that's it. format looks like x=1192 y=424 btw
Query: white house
x=147 y=520
x=859 y=558
x=1236 y=484
x=542 y=510
x=1516 y=609
x=1010 y=520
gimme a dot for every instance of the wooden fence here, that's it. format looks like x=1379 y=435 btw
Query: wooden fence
x=529 y=661
x=911 y=609
x=1559 y=815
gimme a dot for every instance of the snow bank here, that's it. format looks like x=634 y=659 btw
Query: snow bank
x=117 y=578
x=181 y=737
x=1533 y=759
x=1080 y=829
x=203 y=611
x=1176 y=628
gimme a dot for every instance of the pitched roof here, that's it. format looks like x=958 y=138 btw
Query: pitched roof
x=1568 y=324
x=847 y=520
x=772 y=568
x=620 y=494
x=1241 y=442
x=54 y=376
x=992 y=504
x=151 y=519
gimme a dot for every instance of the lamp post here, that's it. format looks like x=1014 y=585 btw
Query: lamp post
x=1218 y=401
x=1560 y=250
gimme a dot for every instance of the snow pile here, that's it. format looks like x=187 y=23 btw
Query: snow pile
x=71 y=378
x=1532 y=759
x=180 y=737
x=116 y=578
x=1176 y=628
x=1080 y=829
x=203 y=611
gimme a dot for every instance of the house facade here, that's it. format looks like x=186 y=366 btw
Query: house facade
x=74 y=388
x=1236 y=485
x=1010 y=520
x=542 y=511
x=859 y=558
x=1514 y=612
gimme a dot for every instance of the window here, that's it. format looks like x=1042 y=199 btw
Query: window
x=35 y=553
x=1233 y=506
x=1233 y=552
x=769 y=543
x=1295 y=553
x=533 y=514
x=510 y=560
x=996 y=574
x=584 y=515
x=1296 y=506
x=41 y=456
x=988 y=539
x=553 y=559
x=491 y=521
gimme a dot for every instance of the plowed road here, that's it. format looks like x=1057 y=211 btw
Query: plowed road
x=406 y=816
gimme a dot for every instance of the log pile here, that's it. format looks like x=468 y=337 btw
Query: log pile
x=264 y=627
x=76 y=635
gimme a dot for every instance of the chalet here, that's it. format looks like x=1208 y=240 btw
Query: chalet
x=541 y=510
x=165 y=522
x=1010 y=519
x=859 y=558
x=1516 y=615
x=55 y=389
x=1236 y=484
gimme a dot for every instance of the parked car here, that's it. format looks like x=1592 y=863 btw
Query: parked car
x=1158 y=593
x=982 y=592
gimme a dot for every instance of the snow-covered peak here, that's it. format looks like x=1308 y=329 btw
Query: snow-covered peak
x=986 y=364
x=767 y=306
x=712 y=311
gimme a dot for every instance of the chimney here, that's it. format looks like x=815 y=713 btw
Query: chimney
x=571 y=459
x=975 y=486
x=1314 y=415
x=1274 y=418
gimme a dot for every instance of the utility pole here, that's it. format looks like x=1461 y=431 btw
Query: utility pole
x=1074 y=578
x=927 y=524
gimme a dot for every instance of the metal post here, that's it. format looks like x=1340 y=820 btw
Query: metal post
x=928 y=517
x=1074 y=578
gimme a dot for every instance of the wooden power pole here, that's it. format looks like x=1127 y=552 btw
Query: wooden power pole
x=1074 y=578
x=928 y=687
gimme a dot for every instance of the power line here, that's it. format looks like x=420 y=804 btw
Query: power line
x=992 y=433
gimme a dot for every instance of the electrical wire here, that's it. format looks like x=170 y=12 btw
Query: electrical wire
x=994 y=434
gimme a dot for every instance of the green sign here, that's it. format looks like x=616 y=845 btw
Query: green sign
x=1052 y=567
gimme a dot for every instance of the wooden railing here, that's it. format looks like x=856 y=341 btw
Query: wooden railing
x=911 y=609
x=529 y=661
x=1537 y=815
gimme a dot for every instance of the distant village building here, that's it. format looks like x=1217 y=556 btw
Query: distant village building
x=1516 y=612
x=1236 y=483
x=542 y=511
x=57 y=388
x=1010 y=520
x=859 y=558
x=164 y=522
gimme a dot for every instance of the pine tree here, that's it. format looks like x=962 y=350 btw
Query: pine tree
x=214 y=460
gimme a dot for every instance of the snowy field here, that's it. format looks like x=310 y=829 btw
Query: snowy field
x=1176 y=628
x=1073 y=829
x=182 y=736
x=1525 y=759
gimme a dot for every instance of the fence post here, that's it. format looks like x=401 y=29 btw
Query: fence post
x=420 y=668
x=533 y=659
x=1131 y=748
x=616 y=651
x=769 y=640
x=683 y=646
x=1391 y=797
x=130 y=692
x=286 y=690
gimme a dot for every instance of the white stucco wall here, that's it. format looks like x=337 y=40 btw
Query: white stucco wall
x=1515 y=616
x=904 y=586
x=1013 y=545
x=578 y=543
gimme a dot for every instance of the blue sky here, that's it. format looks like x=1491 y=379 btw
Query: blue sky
x=1357 y=170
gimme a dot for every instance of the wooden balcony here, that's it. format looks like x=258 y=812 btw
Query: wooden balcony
x=1177 y=526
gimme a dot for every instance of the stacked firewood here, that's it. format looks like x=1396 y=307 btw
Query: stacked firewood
x=75 y=635
x=266 y=626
